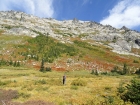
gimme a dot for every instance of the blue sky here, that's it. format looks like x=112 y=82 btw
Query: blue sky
x=117 y=13
x=93 y=10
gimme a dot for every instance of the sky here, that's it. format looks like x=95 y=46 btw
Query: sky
x=117 y=13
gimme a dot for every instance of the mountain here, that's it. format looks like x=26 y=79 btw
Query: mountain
x=81 y=44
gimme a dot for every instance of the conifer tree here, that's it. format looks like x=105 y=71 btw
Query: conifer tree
x=96 y=72
x=138 y=71
x=131 y=92
x=18 y=64
x=15 y=64
x=125 y=69
x=11 y=62
x=42 y=69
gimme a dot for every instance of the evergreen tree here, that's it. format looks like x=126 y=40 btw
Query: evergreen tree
x=15 y=64
x=125 y=69
x=92 y=72
x=96 y=72
x=42 y=66
x=138 y=71
x=18 y=64
x=115 y=69
x=131 y=92
x=11 y=62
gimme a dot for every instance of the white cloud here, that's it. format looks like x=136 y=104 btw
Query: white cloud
x=41 y=8
x=125 y=13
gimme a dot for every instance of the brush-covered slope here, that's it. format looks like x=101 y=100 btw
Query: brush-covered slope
x=65 y=45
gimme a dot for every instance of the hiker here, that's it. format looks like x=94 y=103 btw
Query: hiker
x=64 y=79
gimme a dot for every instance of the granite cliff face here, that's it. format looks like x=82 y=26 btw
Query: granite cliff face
x=120 y=40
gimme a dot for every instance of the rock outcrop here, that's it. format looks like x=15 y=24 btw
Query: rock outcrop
x=19 y=23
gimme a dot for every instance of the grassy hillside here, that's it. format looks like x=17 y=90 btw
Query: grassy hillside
x=28 y=52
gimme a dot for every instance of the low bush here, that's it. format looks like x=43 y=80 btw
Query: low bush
x=104 y=73
x=113 y=74
x=41 y=81
x=24 y=95
x=110 y=100
x=78 y=82
x=3 y=83
x=135 y=61
x=108 y=88
x=48 y=69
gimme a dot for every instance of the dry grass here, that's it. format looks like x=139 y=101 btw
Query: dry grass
x=47 y=87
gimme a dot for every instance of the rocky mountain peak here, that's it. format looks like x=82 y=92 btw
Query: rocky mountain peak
x=75 y=20
x=19 y=23
x=125 y=28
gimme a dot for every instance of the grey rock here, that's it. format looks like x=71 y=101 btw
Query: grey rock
x=124 y=45
x=75 y=20
x=121 y=40
x=125 y=28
